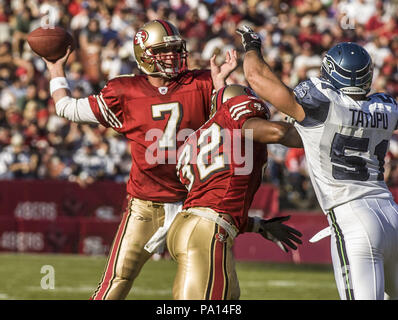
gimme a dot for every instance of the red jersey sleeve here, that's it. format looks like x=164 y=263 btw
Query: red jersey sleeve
x=243 y=108
x=107 y=107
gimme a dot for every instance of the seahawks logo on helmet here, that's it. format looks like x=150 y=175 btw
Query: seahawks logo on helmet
x=327 y=64
x=348 y=67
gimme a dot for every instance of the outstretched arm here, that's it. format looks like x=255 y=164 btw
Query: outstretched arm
x=265 y=131
x=263 y=81
x=76 y=110
x=56 y=70
x=276 y=231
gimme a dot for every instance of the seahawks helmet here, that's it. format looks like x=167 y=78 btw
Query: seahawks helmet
x=349 y=68
x=159 y=49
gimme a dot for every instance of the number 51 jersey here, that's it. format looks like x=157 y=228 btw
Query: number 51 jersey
x=345 y=142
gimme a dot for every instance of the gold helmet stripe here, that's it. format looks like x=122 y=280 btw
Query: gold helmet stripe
x=166 y=26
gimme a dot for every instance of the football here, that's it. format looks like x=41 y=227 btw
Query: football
x=50 y=43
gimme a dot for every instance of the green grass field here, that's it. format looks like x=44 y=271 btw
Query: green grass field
x=76 y=277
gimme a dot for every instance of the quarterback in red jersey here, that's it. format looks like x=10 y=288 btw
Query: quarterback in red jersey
x=151 y=117
x=221 y=184
x=155 y=112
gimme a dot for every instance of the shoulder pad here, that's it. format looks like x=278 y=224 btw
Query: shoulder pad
x=384 y=97
x=310 y=96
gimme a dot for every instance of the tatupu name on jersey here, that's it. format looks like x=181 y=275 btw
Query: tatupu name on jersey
x=367 y=119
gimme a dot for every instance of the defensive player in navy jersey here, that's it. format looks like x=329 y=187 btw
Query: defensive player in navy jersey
x=345 y=134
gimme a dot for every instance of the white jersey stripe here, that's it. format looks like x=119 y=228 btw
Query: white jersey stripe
x=237 y=110
x=101 y=107
x=118 y=124
x=106 y=113
x=241 y=114
x=238 y=105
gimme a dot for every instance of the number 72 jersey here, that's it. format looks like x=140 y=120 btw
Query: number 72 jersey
x=345 y=142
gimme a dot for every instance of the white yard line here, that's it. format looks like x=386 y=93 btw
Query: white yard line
x=286 y=283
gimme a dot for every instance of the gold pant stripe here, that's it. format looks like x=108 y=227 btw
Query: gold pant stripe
x=110 y=271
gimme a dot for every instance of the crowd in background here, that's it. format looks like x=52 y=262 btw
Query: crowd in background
x=37 y=144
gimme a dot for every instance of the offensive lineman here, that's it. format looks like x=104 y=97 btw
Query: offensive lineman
x=221 y=187
x=345 y=135
x=155 y=106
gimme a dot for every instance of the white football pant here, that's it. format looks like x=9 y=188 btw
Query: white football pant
x=364 y=247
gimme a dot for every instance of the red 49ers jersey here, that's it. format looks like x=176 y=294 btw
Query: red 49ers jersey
x=221 y=169
x=156 y=121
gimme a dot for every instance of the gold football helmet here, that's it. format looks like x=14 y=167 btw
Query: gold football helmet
x=159 y=49
x=230 y=91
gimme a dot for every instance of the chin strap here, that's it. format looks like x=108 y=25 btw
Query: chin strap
x=353 y=90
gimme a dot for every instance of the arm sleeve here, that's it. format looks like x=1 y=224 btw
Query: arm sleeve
x=250 y=108
x=106 y=106
x=76 y=110
x=314 y=102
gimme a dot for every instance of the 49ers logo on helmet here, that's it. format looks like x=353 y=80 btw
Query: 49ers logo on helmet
x=140 y=37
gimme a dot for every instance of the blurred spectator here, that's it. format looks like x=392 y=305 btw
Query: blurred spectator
x=21 y=28
x=77 y=79
x=226 y=13
x=296 y=173
x=193 y=27
x=307 y=64
x=17 y=161
x=111 y=62
x=90 y=42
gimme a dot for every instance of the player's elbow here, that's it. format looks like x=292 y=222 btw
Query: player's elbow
x=276 y=134
x=76 y=110
x=62 y=105
x=265 y=131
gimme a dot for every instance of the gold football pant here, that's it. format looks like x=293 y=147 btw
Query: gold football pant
x=127 y=255
x=206 y=265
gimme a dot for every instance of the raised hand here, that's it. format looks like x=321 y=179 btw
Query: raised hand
x=250 y=39
x=220 y=74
